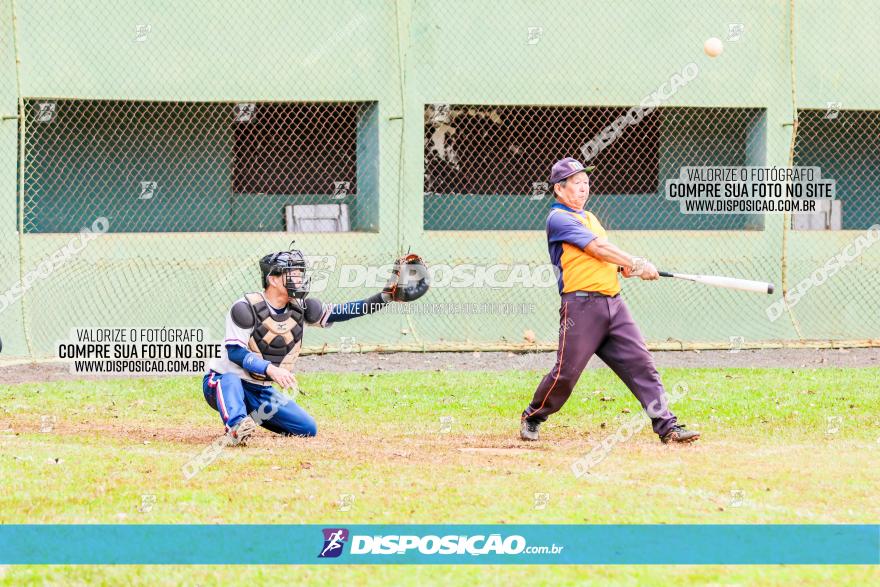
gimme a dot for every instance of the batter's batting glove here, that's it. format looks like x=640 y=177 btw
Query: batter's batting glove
x=637 y=267
x=409 y=280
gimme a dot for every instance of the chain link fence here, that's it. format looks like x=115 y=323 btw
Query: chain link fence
x=194 y=139
x=845 y=144
x=486 y=168
x=196 y=167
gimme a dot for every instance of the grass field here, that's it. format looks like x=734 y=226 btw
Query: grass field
x=432 y=447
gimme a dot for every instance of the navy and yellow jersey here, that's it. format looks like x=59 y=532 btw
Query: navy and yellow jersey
x=568 y=234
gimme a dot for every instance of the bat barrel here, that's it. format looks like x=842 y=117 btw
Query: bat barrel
x=726 y=282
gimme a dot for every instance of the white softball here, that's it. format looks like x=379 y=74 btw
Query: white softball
x=713 y=47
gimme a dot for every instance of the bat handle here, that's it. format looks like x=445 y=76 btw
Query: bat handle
x=661 y=273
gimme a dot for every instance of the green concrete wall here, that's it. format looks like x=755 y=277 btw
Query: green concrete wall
x=403 y=55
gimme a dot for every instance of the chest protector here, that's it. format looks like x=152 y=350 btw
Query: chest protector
x=276 y=338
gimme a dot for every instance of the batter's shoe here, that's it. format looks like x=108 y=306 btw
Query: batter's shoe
x=240 y=433
x=679 y=434
x=529 y=430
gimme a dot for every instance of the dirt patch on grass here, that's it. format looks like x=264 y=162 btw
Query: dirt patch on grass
x=331 y=444
x=503 y=452
x=129 y=433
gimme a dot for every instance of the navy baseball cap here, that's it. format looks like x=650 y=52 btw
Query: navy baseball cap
x=565 y=168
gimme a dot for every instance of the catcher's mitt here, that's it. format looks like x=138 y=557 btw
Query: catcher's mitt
x=409 y=280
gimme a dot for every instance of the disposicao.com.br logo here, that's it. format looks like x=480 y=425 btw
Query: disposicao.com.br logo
x=393 y=544
x=334 y=542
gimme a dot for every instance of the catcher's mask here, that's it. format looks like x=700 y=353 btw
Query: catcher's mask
x=291 y=264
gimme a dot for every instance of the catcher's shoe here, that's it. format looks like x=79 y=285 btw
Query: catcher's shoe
x=679 y=434
x=239 y=434
x=529 y=430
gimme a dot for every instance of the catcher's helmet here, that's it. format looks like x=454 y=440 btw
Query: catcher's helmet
x=285 y=263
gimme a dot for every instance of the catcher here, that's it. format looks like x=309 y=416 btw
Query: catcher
x=264 y=332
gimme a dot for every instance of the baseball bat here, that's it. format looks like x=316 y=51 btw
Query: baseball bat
x=720 y=281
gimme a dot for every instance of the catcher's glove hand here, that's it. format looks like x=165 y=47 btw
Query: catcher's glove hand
x=409 y=280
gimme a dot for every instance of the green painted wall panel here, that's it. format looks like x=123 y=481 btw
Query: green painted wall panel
x=11 y=327
x=402 y=56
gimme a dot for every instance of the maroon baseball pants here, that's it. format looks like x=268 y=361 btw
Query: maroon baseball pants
x=594 y=324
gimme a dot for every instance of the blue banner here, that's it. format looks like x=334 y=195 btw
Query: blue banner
x=440 y=544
